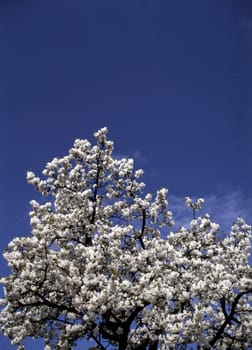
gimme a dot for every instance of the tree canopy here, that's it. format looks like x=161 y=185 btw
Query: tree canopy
x=103 y=263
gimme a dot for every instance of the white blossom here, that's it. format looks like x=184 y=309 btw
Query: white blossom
x=101 y=263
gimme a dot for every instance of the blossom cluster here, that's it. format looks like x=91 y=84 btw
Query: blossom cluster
x=103 y=263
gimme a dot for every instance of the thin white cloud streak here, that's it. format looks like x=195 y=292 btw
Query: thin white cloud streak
x=139 y=157
x=223 y=208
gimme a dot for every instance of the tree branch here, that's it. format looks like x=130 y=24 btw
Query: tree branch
x=228 y=318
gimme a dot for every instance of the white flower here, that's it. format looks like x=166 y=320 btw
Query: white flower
x=101 y=255
x=30 y=175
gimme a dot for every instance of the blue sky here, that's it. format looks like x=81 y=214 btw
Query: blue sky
x=172 y=80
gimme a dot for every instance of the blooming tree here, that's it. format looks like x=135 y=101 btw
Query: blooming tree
x=102 y=263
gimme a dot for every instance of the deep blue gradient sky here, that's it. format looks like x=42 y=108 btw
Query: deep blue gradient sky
x=172 y=80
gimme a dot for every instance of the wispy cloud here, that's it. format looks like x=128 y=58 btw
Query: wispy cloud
x=226 y=207
x=139 y=157
x=223 y=207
